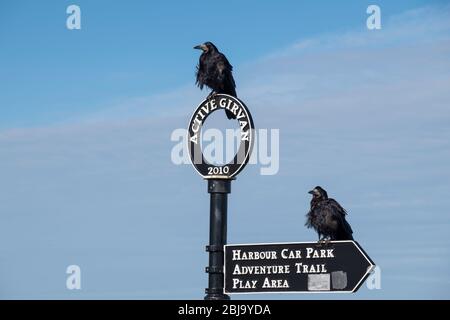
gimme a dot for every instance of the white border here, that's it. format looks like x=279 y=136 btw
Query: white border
x=250 y=149
x=369 y=269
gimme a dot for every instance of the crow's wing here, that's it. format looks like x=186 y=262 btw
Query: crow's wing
x=334 y=216
x=225 y=75
x=339 y=214
x=337 y=206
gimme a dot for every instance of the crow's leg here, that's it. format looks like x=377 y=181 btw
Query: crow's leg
x=211 y=95
x=321 y=238
x=327 y=239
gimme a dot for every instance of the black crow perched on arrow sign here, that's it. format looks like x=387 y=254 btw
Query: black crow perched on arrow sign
x=215 y=71
x=327 y=217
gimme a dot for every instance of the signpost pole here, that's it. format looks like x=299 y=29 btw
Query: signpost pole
x=219 y=181
x=218 y=189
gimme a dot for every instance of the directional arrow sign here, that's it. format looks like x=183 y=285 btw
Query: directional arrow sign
x=339 y=266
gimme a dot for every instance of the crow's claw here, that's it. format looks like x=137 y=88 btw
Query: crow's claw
x=211 y=95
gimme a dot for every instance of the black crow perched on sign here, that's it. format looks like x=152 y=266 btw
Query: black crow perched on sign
x=215 y=71
x=327 y=217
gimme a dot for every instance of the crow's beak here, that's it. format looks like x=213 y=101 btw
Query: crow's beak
x=311 y=192
x=202 y=47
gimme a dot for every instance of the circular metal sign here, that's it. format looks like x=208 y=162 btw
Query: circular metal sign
x=238 y=108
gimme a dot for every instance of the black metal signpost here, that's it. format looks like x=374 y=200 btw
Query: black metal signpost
x=338 y=266
x=219 y=181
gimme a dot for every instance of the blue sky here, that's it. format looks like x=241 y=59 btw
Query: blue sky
x=131 y=50
x=86 y=117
